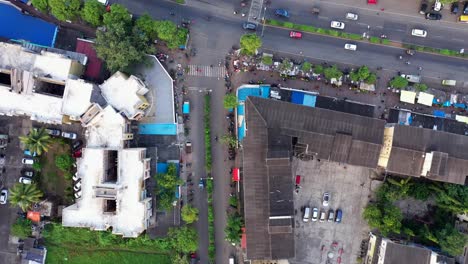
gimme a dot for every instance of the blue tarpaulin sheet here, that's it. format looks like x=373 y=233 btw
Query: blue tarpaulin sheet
x=19 y=27
x=460 y=106
x=447 y=104
x=186 y=108
x=265 y=91
x=310 y=100
x=439 y=113
x=157 y=129
x=297 y=97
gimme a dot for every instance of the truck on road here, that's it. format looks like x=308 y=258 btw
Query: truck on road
x=412 y=78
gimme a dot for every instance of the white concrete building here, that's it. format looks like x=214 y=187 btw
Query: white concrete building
x=112 y=192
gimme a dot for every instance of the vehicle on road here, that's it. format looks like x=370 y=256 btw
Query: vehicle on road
x=188 y=147
x=463 y=19
x=449 y=82
x=27 y=152
x=437 y=6
x=423 y=8
x=349 y=46
x=231 y=260
x=433 y=16
x=337 y=25
x=248 y=26
x=410 y=52
x=315 y=10
x=69 y=135
x=412 y=78
x=322 y=216
x=25 y=180
x=27 y=161
x=4 y=196
x=315 y=214
x=201 y=184
x=419 y=33
x=351 y=16
x=53 y=132
x=326 y=199
x=454 y=8
x=339 y=215
x=465 y=8
x=281 y=12
x=306 y=214
x=295 y=34
x=331 y=215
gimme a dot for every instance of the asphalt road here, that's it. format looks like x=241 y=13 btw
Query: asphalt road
x=396 y=25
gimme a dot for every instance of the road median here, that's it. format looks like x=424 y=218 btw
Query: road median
x=360 y=38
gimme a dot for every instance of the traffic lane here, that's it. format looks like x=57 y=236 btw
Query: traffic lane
x=332 y=50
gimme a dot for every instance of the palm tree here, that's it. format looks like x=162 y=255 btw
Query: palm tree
x=24 y=195
x=37 y=141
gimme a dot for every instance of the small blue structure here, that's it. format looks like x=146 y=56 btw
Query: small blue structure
x=158 y=129
x=23 y=28
x=438 y=113
x=302 y=98
x=186 y=108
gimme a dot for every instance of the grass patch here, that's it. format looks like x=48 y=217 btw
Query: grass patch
x=51 y=179
x=385 y=41
x=374 y=40
x=179 y=1
x=111 y=257
x=207 y=133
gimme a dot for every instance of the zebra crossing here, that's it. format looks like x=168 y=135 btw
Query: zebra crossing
x=207 y=71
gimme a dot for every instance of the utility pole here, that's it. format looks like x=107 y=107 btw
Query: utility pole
x=263 y=20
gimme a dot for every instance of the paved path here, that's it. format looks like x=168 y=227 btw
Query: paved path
x=206 y=71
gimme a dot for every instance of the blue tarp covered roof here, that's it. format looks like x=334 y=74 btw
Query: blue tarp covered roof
x=18 y=27
x=157 y=129
x=439 y=113
x=186 y=108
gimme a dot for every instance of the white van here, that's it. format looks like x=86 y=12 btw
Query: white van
x=349 y=46
x=306 y=214
x=231 y=260
x=449 y=82
x=419 y=33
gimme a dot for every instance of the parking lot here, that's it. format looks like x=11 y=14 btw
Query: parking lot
x=349 y=188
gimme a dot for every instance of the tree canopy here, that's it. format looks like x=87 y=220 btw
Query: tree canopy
x=229 y=140
x=421 y=87
x=117 y=14
x=399 y=82
x=189 y=214
x=64 y=162
x=230 y=101
x=249 y=44
x=93 y=12
x=41 y=5
x=147 y=25
x=306 y=66
x=166 y=186
x=267 y=60
x=21 y=228
x=332 y=72
x=36 y=141
x=24 y=195
x=451 y=240
x=65 y=9
x=285 y=65
x=387 y=218
x=233 y=228
x=183 y=239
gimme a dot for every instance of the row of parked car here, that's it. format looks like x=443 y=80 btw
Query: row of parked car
x=323 y=215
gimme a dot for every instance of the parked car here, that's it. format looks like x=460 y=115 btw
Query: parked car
x=419 y=33
x=315 y=213
x=322 y=216
x=339 y=215
x=454 y=8
x=433 y=16
x=25 y=180
x=27 y=152
x=27 y=161
x=4 y=196
x=295 y=34
x=423 y=8
x=349 y=46
x=351 y=16
x=69 y=135
x=77 y=186
x=306 y=214
x=201 y=184
x=53 y=132
x=104 y=2
x=77 y=145
x=326 y=199
x=331 y=215
x=337 y=25
x=437 y=6
x=77 y=154
x=281 y=12
x=28 y=173
x=465 y=8
x=75 y=177
x=78 y=194
x=249 y=26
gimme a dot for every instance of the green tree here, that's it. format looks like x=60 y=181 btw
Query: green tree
x=118 y=14
x=318 y=69
x=403 y=185
x=363 y=72
x=384 y=217
x=92 y=12
x=179 y=259
x=37 y=141
x=398 y=82
x=24 y=195
x=249 y=44
x=285 y=65
x=65 y=9
x=230 y=101
x=372 y=215
x=166 y=186
x=189 y=214
x=446 y=2
x=166 y=30
x=420 y=191
x=306 y=66
x=37 y=166
x=147 y=25
x=183 y=239
x=267 y=60
x=452 y=197
x=451 y=241
x=121 y=47
x=41 y=5
x=64 y=162
x=229 y=140
x=233 y=228
x=233 y=201
x=371 y=79
x=332 y=72
x=420 y=87
x=21 y=228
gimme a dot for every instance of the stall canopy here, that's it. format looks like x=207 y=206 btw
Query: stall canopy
x=235 y=174
x=425 y=99
x=407 y=97
x=34 y=216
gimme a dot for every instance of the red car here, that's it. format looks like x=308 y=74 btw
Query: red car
x=371 y=2
x=295 y=34
x=77 y=154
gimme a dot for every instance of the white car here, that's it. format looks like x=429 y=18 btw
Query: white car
x=27 y=161
x=315 y=213
x=4 y=196
x=77 y=186
x=25 y=180
x=351 y=16
x=419 y=33
x=326 y=199
x=78 y=194
x=69 y=135
x=337 y=25
x=348 y=46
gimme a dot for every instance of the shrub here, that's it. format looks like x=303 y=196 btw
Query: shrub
x=267 y=60
x=374 y=40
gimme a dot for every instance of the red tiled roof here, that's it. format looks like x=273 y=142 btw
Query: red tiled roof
x=93 y=67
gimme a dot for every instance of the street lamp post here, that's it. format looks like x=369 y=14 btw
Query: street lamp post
x=263 y=19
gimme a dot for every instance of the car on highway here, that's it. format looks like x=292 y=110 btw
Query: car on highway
x=419 y=33
x=326 y=199
x=4 y=196
x=351 y=16
x=349 y=46
x=69 y=135
x=295 y=34
x=454 y=8
x=281 y=12
x=465 y=8
x=337 y=25
x=315 y=214
x=25 y=180
x=433 y=16
x=249 y=26
x=27 y=161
